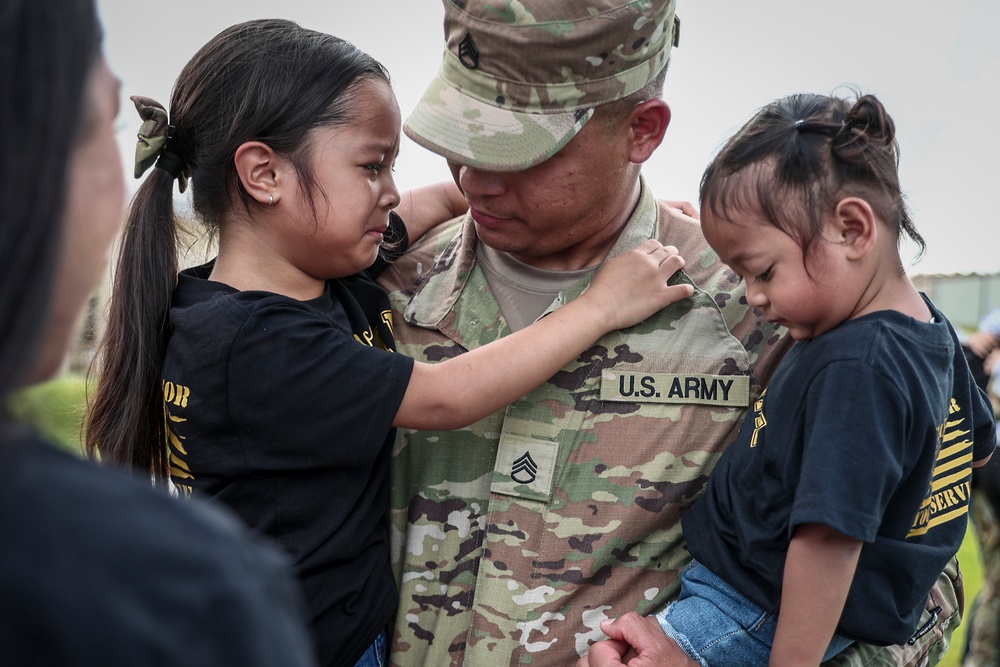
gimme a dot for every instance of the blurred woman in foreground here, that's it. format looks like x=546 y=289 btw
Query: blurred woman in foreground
x=96 y=567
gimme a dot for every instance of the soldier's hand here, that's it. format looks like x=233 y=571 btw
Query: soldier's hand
x=635 y=641
x=685 y=207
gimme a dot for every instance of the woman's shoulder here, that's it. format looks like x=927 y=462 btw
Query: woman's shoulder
x=112 y=563
x=90 y=507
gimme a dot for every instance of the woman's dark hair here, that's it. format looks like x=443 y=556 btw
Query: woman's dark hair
x=268 y=80
x=798 y=156
x=48 y=50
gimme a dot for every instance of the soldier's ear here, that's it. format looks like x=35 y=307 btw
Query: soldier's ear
x=647 y=125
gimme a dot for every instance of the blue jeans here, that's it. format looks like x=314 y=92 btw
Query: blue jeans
x=718 y=627
x=375 y=656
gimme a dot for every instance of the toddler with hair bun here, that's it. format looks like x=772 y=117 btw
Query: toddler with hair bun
x=845 y=493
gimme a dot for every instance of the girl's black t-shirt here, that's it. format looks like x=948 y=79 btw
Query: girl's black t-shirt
x=283 y=410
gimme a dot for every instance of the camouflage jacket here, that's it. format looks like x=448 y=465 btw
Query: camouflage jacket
x=515 y=537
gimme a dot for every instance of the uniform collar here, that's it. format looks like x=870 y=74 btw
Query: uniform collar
x=455 y=273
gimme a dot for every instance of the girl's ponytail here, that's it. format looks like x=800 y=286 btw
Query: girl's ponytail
x=125 y=427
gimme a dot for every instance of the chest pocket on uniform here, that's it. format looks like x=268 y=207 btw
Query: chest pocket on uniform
x=525 y=468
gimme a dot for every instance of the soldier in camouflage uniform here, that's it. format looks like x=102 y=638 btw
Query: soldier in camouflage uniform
x=514 y=538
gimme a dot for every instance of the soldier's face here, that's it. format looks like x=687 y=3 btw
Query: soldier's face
x=564 y=213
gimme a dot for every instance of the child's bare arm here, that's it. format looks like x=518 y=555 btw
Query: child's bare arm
x=428 y=206
x=819 y=568
x=466 y=388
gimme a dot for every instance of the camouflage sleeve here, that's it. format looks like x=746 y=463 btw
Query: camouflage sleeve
x=941 y=616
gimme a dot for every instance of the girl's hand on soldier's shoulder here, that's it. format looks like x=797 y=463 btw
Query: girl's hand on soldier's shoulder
x=634 y=285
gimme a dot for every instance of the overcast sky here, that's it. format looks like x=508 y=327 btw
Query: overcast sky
x=935 y=65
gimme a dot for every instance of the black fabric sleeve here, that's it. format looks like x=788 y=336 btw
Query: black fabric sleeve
x=854 y=453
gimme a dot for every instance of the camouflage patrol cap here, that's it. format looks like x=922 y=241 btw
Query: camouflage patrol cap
x=519 y=78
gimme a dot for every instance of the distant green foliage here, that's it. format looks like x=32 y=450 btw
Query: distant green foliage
x=55 y=408
x=970 y=560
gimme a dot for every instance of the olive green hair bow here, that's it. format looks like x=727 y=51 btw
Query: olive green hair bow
x=150 y=149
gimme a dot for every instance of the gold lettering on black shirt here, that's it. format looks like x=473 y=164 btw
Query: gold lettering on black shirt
x=951 y=482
